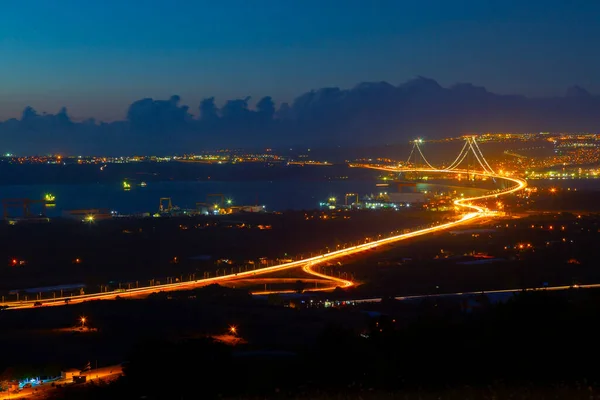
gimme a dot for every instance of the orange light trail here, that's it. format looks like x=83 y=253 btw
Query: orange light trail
x=478 y=212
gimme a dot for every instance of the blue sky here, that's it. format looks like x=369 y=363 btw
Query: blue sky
x=96 y=57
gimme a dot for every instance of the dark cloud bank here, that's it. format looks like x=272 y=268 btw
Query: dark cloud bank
x=368 y=114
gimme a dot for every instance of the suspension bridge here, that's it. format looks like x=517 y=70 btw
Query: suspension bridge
x=417 y=162
x=470 y=148
x=474 y=207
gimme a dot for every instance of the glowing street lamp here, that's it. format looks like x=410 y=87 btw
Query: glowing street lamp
x=233 y=329
x=83 y=319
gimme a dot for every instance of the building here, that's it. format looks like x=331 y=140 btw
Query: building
x=69 y=374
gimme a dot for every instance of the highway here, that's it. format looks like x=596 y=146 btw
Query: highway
x=476 y=213
x=332 y=281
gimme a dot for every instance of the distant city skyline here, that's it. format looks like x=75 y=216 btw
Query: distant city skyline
x=96 y=58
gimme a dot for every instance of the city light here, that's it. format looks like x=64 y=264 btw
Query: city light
x=474 y=213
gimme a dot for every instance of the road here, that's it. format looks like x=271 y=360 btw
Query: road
x=482 y=292
x=476 y=213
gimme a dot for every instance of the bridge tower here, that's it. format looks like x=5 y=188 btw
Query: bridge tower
x=469 y=178
x=473 y=156
x=416 y=159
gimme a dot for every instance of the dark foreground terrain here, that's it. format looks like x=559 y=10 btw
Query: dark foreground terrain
x=532 y=345
x=535 y=345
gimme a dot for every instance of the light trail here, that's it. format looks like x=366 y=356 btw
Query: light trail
x=478 y=213
x=343 y=282
x=334 y=282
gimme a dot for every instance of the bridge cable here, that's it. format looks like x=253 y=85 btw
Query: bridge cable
x=476 y=147
x=477 y=157
x=481 y=153
x=424 y=159
x=465 y=154
x=479 y=160
x=456 y=161
x=411 y=153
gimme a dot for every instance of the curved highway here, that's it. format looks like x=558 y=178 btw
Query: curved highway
x=476 y=212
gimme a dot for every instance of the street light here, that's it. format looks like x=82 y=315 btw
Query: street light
x=233 y=329
x=83 y=319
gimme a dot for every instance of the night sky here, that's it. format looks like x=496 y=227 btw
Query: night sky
x=97 y=57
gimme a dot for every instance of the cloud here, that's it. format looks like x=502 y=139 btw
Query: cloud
x=157 y=116
x=236 y=110
x=208 y=109
x=369 y=113
x=266 y=108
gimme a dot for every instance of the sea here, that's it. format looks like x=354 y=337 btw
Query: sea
x=275 y=195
